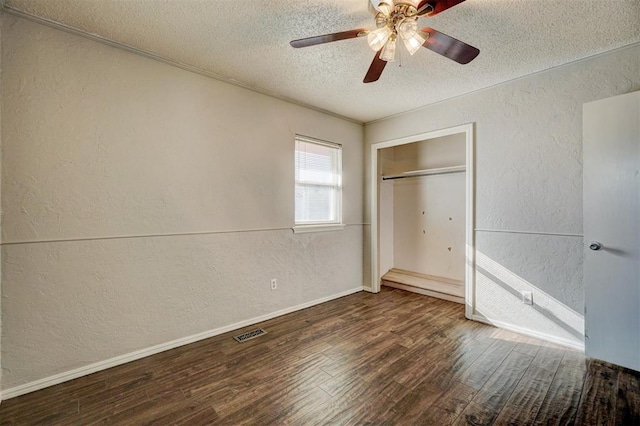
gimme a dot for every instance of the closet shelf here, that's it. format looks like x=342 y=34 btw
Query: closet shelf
x=426 y=172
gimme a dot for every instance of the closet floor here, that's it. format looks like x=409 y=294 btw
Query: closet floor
x=428 y=285
x=391 y=358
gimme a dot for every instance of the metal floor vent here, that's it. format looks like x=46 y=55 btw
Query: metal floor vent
x=249 y=335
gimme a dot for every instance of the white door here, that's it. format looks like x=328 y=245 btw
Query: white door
x=611 y=135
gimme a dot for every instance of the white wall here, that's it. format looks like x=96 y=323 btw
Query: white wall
x=144 y=203
x=528 y=186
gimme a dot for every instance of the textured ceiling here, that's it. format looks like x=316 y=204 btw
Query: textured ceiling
x=248 y=42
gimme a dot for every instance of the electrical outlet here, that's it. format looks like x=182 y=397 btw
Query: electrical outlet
x=274 y=284
x=527 y=298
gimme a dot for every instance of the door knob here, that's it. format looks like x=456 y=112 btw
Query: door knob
x=594 y=245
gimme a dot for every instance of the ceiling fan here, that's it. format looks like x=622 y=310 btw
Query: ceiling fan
x=398 y=19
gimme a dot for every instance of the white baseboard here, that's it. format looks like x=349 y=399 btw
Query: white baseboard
x=531 y=333
x=132 y=356
x=367 y=289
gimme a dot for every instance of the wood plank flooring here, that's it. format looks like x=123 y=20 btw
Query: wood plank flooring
x=395 y=358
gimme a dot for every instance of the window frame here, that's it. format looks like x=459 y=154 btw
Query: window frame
x=318 y=226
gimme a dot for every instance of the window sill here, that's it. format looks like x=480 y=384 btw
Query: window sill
x=304 y=229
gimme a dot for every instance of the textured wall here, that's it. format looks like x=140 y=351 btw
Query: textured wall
x=99 y=144
x=528 y=179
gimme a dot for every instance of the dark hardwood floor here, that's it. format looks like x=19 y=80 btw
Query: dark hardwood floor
x=391 y=358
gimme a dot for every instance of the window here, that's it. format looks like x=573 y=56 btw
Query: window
x=318 y=172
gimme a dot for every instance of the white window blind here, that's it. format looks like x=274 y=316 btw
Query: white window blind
x=318 y=169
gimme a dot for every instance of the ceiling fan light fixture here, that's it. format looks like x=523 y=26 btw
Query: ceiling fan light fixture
x=407 y=28
x=378 y=38
x=413 y=44
x=385 y=8
x=389 y=51
x=382 y=20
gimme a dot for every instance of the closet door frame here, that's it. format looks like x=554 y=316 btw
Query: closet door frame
x=468 y=131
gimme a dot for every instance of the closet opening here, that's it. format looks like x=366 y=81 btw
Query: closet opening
x=423 y=214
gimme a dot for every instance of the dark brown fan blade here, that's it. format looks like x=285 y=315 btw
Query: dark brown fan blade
x=327 y=38
x=438 y=5
x=375 y=69
x=449 y=47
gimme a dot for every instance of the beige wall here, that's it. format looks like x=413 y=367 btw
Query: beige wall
x=143 y=203
x=528 y=186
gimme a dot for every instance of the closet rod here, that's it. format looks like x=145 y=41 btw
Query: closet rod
x=427 y=172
